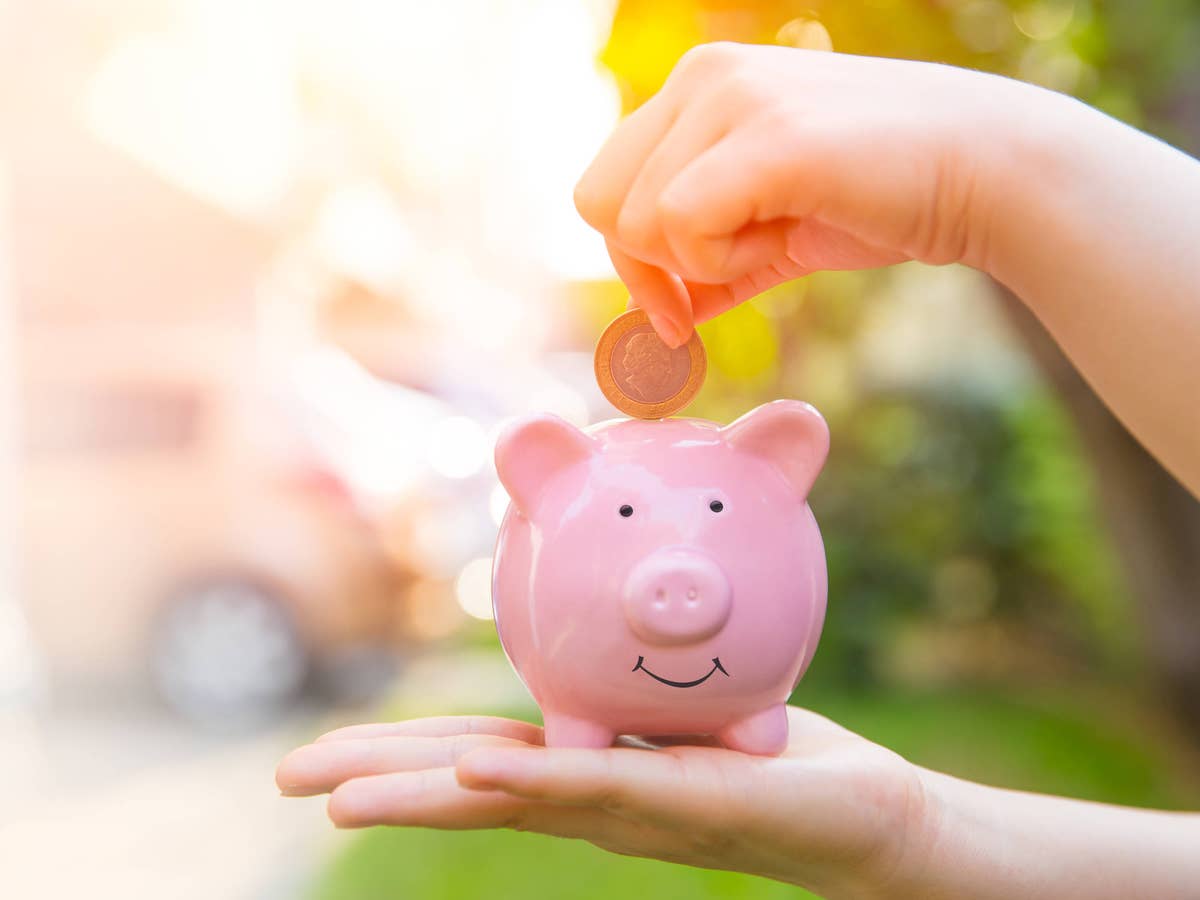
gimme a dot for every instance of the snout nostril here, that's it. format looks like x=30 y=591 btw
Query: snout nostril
x=676 y=596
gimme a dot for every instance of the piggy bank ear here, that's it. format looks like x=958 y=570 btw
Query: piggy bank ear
x=790 y=435
x=531 y=450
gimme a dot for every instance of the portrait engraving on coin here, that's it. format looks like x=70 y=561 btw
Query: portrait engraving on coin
x=640 y=375
x=646 y=369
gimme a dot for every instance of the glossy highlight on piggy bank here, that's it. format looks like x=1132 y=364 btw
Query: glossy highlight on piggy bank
x=662 y=577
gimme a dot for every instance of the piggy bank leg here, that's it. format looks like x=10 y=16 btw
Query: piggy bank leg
x=764 y=733
x=566 y=731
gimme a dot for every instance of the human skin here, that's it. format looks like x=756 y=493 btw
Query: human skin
x=754 y=166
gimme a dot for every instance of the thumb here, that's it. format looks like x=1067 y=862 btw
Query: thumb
x=650 y=786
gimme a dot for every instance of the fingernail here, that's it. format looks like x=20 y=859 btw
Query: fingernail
x=672 y=333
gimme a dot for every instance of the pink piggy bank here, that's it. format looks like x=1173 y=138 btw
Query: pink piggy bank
x=662 y=577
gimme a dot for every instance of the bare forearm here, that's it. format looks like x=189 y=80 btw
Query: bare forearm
x=982 y=842
x=1097 y=227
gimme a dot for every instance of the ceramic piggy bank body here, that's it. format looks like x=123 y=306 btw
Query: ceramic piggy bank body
x=662 y=577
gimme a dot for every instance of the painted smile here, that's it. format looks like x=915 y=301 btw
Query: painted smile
x=683 y=684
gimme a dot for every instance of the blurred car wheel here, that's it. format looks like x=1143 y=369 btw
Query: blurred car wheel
x=226 y=654
x=357 y=675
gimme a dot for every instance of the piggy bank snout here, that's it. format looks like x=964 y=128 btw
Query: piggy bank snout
x=677 y=596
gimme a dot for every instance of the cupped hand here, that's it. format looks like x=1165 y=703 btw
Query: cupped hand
x=755 y=165
x=834 y=812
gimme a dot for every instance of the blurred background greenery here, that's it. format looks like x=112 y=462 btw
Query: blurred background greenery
x=259 y=256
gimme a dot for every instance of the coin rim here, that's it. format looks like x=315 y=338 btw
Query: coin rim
x=608 y=384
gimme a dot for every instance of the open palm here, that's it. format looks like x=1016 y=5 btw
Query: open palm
x=833 y=803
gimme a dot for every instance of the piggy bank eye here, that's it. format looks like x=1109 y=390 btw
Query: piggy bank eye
x=626 y=510
x=716 y=506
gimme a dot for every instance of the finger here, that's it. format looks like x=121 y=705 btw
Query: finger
x=711 y=203
x=760 y=251
x=812 y=246
x=433 y=798
x=667 y=788
x=673 y=788
x=660 y=293
x=319 y=768
x=710 y=300
x=601 y=190
x=441 y=726
x=694 y=130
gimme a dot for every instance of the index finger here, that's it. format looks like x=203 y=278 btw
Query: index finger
x=660 y=293
x=440 y=726
x=602 y=188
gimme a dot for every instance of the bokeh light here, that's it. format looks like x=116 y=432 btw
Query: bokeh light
x=1044 y=21
x=457 y=447
x=473 y=589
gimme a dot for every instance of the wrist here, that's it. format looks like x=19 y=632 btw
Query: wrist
x=909 y=871
x=932 y=858
x=1028 y=175
x=902 y=864
x=987 y=842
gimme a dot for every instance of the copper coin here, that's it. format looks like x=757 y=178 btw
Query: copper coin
x=640 y=375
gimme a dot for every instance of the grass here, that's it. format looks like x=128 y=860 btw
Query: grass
x=1078 y=746
x=434 y=866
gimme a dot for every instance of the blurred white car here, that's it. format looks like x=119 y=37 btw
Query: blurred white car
x=165 y=541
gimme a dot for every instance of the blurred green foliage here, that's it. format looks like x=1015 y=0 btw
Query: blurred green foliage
x=936 y=508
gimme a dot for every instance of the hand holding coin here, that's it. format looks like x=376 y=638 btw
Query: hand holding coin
x=642 y=376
